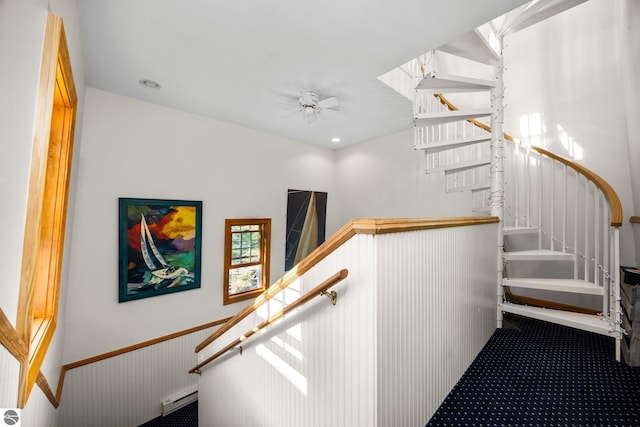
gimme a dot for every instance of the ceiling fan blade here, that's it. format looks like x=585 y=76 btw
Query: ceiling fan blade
x=328 y=112
x=331 y=102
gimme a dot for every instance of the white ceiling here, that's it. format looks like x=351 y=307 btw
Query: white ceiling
x=240 y=60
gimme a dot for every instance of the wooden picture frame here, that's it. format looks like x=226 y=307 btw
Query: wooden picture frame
x=160 y=247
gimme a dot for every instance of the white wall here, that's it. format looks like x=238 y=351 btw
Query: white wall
x=386 y=177
x=136 y=149
x=567 y=70
x=21 y=38
x=628 y=22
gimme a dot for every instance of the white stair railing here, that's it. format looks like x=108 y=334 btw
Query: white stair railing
x=576 y=212
x=432 y=138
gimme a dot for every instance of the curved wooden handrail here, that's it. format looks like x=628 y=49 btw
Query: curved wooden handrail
x=353 y=227
x=634 y=220
x=444 y=101
x=609 y=192
x=331 y=281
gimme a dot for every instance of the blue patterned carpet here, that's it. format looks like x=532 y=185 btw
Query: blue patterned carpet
x=534 y=373
x=183 y=417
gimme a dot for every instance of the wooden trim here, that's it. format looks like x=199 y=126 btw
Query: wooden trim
x=265 y=256
x=331 y=281
x=46 y=214
x=444 y=101
x=63 y=372
x=353 y=227
x=55 y=399
x=143 y=344
x=10 y=339
x=44 y=386
x=609 y=192
x=634 y=220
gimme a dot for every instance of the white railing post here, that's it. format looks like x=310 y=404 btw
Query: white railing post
x=615 y=306
x=497 y=171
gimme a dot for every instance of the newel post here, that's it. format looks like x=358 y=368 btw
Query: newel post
x=497 y=170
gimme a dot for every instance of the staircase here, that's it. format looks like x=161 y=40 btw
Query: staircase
x=559 y=231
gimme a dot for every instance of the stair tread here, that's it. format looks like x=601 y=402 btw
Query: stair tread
x=472 y=45
x=520 y=230
x=587 y=322
x=426 y=119
x=451 y=83
x=539 y=255
x=456 y=167
x=473 y=188
x=560 y=285
x=452 y=143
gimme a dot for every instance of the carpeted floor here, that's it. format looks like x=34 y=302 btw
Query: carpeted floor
x=534 y=373
x=184 y=417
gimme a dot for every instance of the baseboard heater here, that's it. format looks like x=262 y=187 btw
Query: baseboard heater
x=179 y=400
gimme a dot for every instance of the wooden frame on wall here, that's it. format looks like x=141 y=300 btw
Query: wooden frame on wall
x=46 y=216
x=160 y=246
x=247 y=251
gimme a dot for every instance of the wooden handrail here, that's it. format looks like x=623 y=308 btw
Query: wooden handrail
x=322 y=287
x=609 y=192
x=444 y=101
x=353 y=227
x=634 y=220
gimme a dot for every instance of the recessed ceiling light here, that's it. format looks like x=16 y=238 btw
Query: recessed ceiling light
x=150 y=84
x=336 y=139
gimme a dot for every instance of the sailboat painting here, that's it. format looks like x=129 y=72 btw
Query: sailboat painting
x=306 y=224
x=160 y=243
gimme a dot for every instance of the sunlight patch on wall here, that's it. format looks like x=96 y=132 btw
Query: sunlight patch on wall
x=573 y=148
x=285 y=341
x=294 y=377
x=533 y=129
x=287 y=347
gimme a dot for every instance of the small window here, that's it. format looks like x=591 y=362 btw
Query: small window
x=246 y=258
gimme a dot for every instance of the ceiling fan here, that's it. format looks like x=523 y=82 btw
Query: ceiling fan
x=312 y=107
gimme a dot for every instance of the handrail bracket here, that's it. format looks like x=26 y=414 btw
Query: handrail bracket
x=333 y=296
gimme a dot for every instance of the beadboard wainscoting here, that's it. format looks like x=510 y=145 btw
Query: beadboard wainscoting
x=414 y=311
x=10 y=374
x=127 y=389
x=436 y=310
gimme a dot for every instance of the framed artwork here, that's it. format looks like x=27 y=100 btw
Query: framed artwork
x=306 y=224
x=160 y=243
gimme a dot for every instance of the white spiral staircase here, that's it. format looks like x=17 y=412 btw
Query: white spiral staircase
x=559 y=241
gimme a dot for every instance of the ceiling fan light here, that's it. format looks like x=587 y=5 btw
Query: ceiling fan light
x=309 y=114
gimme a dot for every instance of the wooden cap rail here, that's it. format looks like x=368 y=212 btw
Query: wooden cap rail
x=609 y=192
x=635 y=220
x=353 y=227
x=318 y=290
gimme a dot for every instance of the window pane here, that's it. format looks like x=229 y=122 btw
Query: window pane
x=244 y=279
